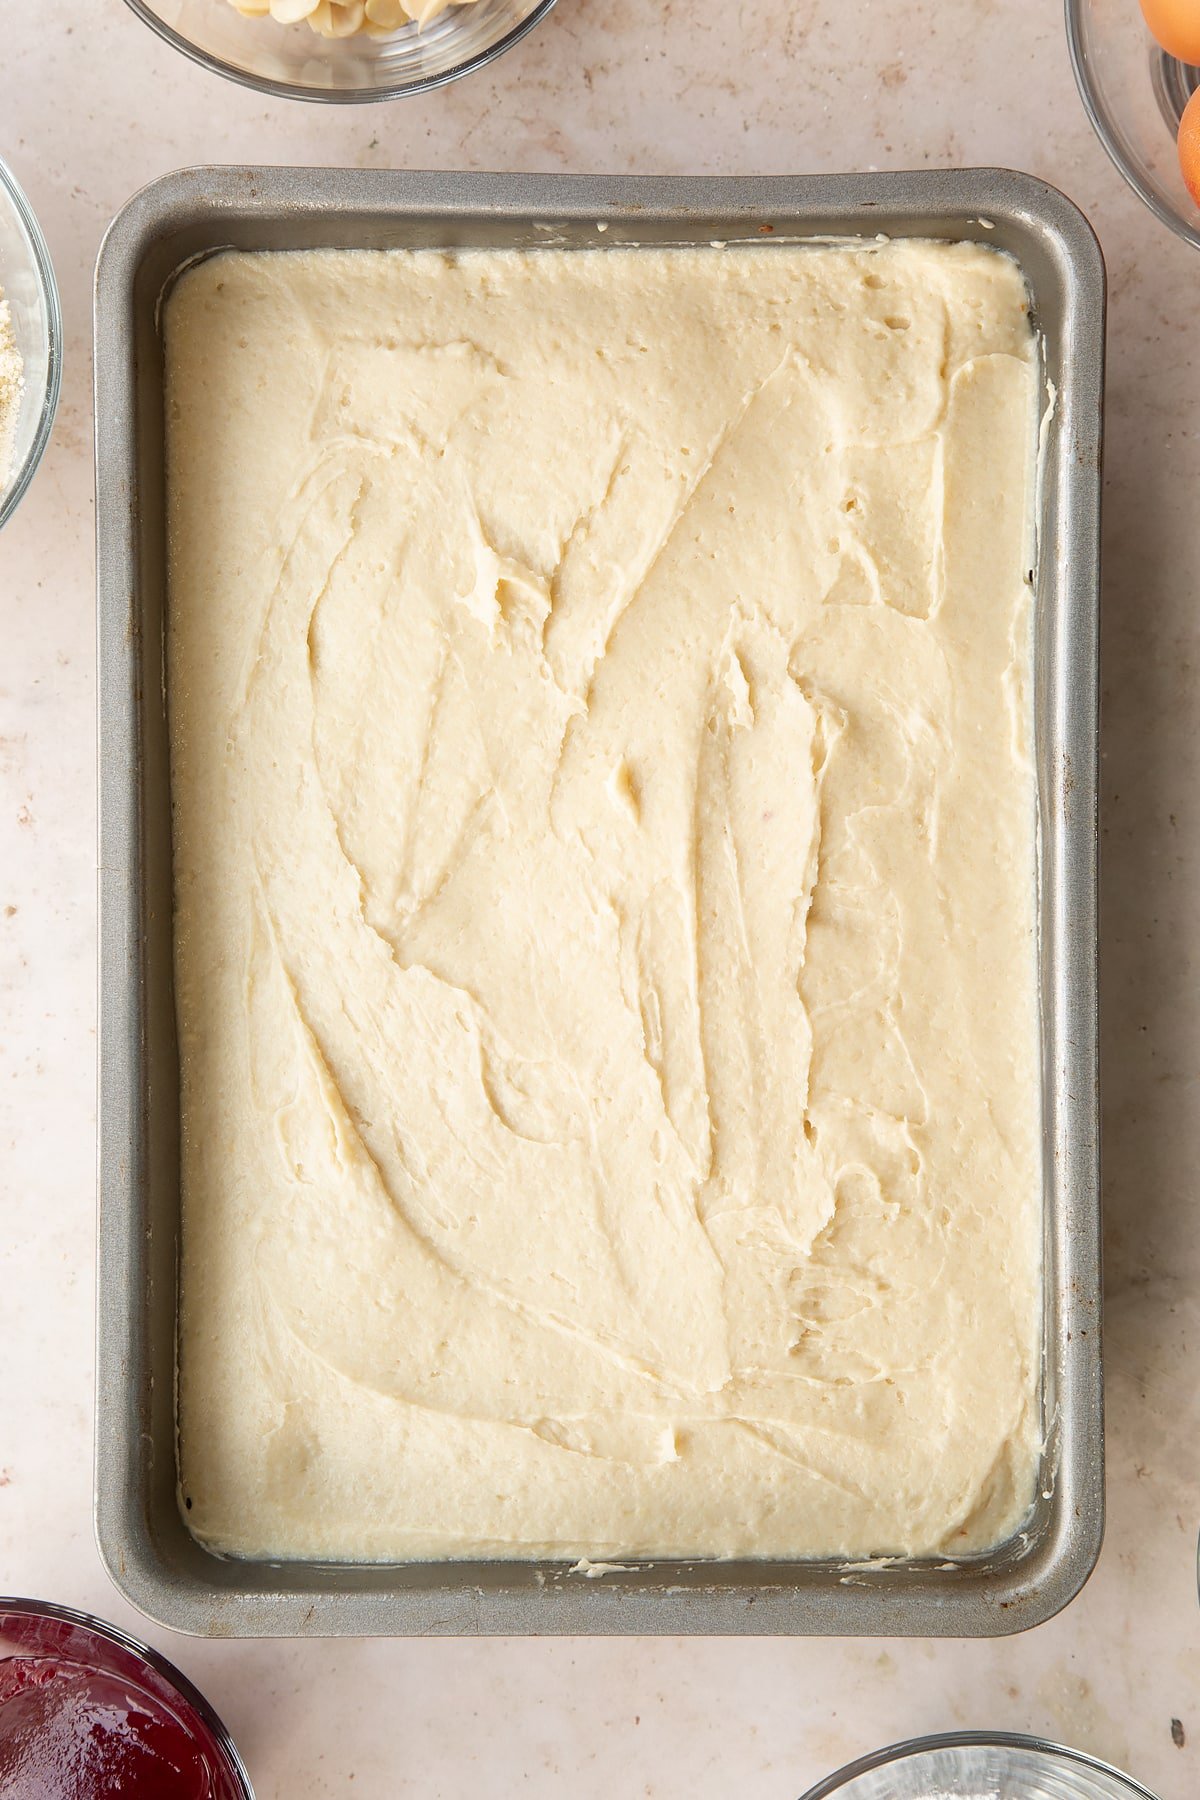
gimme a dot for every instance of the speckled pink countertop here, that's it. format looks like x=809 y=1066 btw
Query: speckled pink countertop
x=92 y=106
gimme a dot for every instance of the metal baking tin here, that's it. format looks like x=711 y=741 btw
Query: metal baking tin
x=149 y=1552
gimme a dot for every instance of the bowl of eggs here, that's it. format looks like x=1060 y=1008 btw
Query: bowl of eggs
x=348 y=50
x=1137 y=63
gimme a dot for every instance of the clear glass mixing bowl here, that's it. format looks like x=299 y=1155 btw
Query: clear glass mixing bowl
x=28 y=284
x=293 y=62
x=978 y=1765
x=1134 y=94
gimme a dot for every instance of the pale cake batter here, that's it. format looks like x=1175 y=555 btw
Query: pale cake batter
x=605 y=883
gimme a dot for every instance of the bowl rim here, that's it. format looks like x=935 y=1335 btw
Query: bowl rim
x=11 y=498
x=294 y=90
x=956 y=1740
x=1081 y=67
x=175 y=1678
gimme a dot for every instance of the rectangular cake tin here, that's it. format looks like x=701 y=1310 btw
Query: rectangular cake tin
x=142 y=1534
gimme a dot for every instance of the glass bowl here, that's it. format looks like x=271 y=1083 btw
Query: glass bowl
x=293 y=62
x=87 y=1711
x=28 y=284
x=1134 y=94
x=978 y=1765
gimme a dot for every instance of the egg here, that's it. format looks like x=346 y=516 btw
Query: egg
x=1176 y=25
x=1189 y=146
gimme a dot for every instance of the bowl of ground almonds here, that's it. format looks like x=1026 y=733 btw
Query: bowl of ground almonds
x=30 y=344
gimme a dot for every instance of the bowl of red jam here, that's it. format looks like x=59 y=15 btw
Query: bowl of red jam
x=87 y=1712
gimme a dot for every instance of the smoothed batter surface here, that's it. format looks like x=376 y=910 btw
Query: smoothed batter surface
x=605 y=901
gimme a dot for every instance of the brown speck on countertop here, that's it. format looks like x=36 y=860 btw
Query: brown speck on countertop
x=1178 y=1734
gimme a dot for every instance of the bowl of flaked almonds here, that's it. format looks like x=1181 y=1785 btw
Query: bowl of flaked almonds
x=349 y=50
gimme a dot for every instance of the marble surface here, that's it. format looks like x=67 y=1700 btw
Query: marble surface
x=92 y=106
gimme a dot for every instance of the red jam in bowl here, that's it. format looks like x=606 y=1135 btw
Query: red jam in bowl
x=85 y=1712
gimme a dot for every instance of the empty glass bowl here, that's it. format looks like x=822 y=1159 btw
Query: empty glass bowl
x=1134 y=93
x=293 y=62
x=978 y=1765
x=28 y=284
